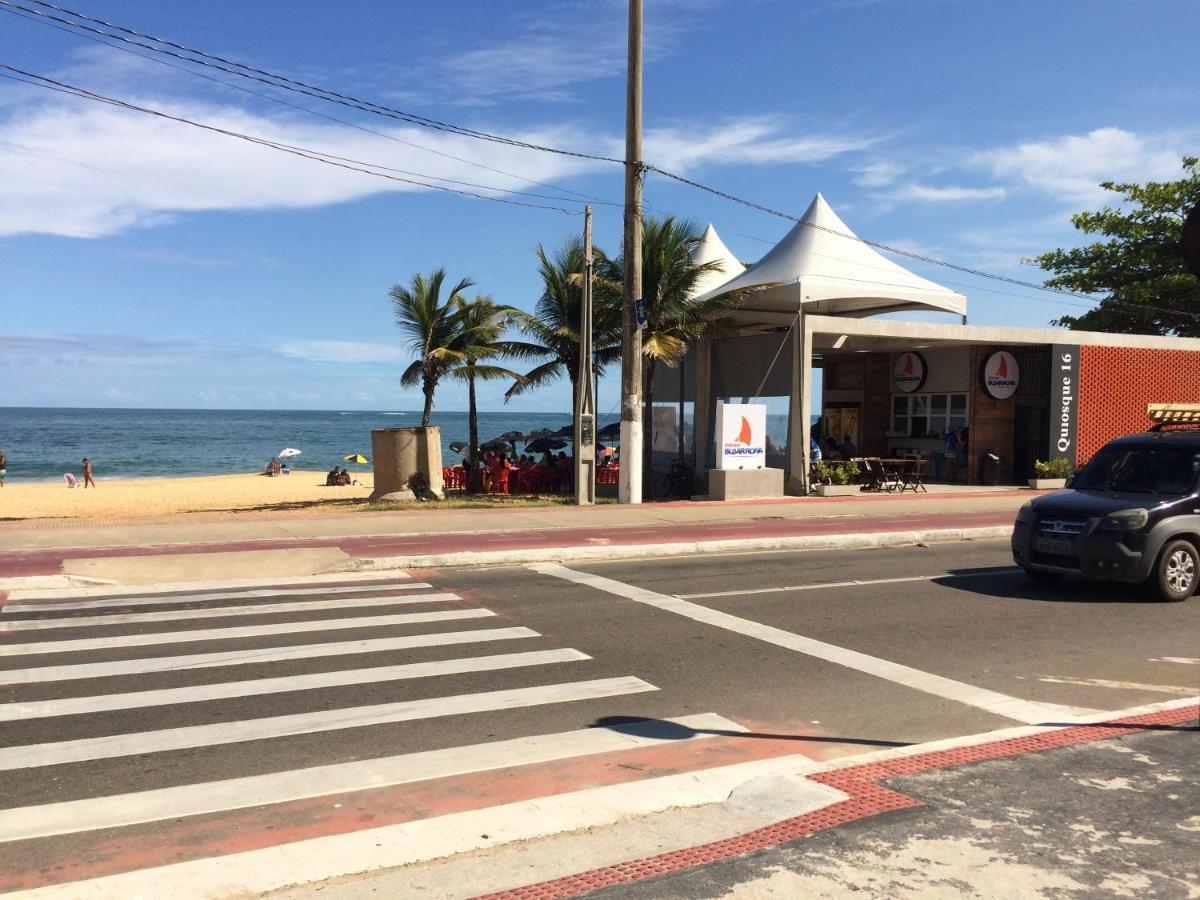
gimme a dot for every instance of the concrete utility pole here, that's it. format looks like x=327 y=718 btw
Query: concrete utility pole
x=630 y=488
x=585 y=400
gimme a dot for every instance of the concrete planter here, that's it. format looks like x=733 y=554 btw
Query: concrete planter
x=838 y=490
x=1047 y=484
x=406 y=459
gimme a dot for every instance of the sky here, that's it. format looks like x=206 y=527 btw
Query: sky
x=148 y=263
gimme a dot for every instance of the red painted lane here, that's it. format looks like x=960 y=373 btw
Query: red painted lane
x=49 y=562
x=867 y=798
x=36 y=863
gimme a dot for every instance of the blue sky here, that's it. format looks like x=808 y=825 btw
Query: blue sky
x=146 y=263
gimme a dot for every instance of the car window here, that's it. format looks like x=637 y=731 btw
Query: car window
x=1142 y=470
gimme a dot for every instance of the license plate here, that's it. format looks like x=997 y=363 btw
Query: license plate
x=1059 y=548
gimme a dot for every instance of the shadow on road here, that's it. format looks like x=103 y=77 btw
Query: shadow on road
x=662 y=730
x=1008 y=584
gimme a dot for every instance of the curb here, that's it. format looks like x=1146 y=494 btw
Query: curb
x=603 y=552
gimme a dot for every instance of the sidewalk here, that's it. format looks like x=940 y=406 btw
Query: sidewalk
x=256 y=545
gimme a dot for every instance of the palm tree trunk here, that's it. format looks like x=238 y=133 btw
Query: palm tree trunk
x=428 y=387
x=648 y=432
x=473 y=451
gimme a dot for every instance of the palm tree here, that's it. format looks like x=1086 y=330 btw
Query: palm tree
x=482 y=322
x=673 y=319
x=553 y=327
x=432 y=326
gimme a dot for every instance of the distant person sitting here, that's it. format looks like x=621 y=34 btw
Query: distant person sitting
x=274 y=466
x=3 y=467
x=331 y=480
x=814 y=449
x=344 y=477
x=849 y=451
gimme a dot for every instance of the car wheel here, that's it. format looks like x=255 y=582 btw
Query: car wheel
x=1041 y=576
x=1177 y=572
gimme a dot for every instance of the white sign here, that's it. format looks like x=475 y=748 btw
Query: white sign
x=909 y=372
x=741 y=435
x=1001 y=375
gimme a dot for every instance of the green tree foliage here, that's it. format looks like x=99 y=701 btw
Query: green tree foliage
x=553 y=326
x=433 y=327
x=1137 y=269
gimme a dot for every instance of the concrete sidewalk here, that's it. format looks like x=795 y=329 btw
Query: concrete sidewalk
x=235 y=546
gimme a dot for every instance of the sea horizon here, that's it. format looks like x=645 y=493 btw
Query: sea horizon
x=43 y=443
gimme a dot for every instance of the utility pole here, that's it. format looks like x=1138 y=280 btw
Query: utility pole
x=585 y=399
x=630 y=488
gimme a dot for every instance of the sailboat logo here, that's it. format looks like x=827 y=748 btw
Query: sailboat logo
x=1001 y=375
x=909 y=372
x=744 y=434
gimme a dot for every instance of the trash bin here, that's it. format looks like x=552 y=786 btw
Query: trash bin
x=989 y=470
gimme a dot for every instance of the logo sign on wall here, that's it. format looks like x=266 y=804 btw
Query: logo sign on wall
x=742 y=428
x=1001 y=375
x=909 y=373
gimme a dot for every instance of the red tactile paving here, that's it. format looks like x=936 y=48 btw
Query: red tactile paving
x=866 y=798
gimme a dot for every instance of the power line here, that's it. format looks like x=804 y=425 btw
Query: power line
x=978 y=273
x=312 y=112
x=315 y=155
x=242 y=70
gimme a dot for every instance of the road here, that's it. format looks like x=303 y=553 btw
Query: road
x=174 y=730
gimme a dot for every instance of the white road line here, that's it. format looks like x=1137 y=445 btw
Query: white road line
x=981 y=698
x=44 y=674
x=121 y=810
x=175 y=615
x=1123 y=685
x=1182 y=660
x=240 y=631
x=69 y=706
x=218 y=733
x=841 y=584
x=150 y=600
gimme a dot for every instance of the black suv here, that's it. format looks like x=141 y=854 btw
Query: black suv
x=1131 y=514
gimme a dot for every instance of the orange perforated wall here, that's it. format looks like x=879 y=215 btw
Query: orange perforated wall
x=1116 y=383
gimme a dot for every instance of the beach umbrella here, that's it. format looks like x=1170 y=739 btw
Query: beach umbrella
x=355 y=458
x=511 y=437
x=540 y=433
x=458 y=446
x=566 y=433
x=288 y=451
x=494 y=444
x=541 y=445
x=610 y=432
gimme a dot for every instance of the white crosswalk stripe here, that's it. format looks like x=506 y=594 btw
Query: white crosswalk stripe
x=68 y=706
x=217 y=612
x=241 y=631
x=43 y=674
x=249 y=740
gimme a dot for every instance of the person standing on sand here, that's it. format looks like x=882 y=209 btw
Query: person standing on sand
x=87 y=473
x=3 y=467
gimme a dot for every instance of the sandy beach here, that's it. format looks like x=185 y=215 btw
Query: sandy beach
x=153 y=497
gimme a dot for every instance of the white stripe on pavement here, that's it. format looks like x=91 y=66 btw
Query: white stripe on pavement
x=241 y=631
x=840 y=584
x=43 y=674
x=139 y=742
x=1123 y=685
x=981 y=698
x=175 y=599
x=175 y=615
x=121 y=810
x=111 y=589
x=70 y=706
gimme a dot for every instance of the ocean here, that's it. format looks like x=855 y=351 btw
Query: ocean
x=43 y=443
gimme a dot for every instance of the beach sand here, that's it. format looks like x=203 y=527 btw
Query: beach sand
x=136 y=498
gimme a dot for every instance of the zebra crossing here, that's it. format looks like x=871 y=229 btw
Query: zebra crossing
x=137 y=710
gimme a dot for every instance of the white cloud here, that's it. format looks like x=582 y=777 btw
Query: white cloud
x=343 y=352
x=750 y=140
x=878 y=174
x=1071 y=168
x=948 y=194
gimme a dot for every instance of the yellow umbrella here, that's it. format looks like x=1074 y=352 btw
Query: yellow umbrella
x=355 y=458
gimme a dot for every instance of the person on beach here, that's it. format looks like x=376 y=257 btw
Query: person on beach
x=3 y=467
x=331 y=479
x=87 y=473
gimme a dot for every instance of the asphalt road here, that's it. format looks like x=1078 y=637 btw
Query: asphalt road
x=820 y=654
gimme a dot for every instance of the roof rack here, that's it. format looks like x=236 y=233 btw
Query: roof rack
x=1173 y=415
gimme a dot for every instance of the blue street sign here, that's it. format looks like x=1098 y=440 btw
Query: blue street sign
x=639 y=310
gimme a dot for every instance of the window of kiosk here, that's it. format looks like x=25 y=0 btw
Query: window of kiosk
x=900 y=415
x=927 y=415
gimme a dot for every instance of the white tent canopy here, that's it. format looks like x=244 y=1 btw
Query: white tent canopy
x=823 y=266
x=710 y=248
